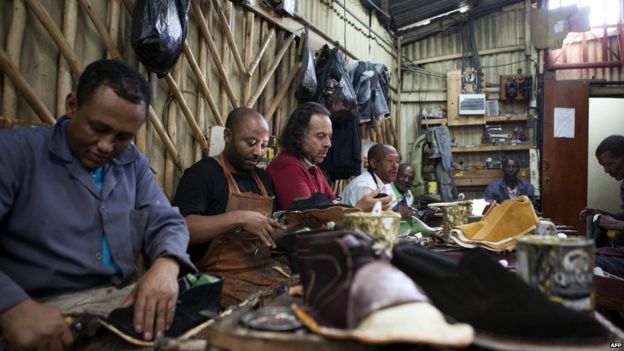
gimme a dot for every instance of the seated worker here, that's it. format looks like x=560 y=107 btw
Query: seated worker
x=383 y=163
x=227 y=202
x=510 y=185
x=78 y=202
x=610 y=154
x=305 y=141
x=403 y=198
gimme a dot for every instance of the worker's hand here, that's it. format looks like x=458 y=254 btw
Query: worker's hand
x=607 y=222
x=30 y=325
x=406 y=212
x=154 y=298
x=261 y=226
x=367 y=202
x=590 y=212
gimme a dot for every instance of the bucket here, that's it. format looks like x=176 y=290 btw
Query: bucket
x=383 y=226
x=562 y=268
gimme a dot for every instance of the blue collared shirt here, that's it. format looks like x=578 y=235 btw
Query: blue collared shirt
x=52 y=217
x=497 y=190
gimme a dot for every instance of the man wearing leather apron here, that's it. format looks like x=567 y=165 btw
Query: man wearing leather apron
x=227 y=202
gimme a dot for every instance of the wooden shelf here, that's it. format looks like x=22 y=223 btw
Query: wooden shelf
x=476 y=177
x=468 y=122
x=490 y=148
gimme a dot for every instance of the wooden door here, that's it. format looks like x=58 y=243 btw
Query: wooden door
x=564 y=166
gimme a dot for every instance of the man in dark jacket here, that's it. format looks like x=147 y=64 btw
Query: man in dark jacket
x=510 y=186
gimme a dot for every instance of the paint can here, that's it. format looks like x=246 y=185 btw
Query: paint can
x=561 y=268
x=383 y=226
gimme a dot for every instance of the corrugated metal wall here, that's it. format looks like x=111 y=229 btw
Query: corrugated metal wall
x=374 y=45
x=500 y=38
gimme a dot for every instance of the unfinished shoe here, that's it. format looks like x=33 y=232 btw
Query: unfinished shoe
x=352 y=291
x=501 y=307
x=199 y=299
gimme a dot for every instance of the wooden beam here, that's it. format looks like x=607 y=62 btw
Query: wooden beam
x=203 y=87
x=281 y=93
x=248 y=52
x=230 y=37
x=25 y=89
x=64 y=76
x=172 y=130
x=56 y=34
x=260 y=53
x=101 y=28
x=113 y=20
x=164 y=137
x=459 y=55
x=203 y=26
x=278 y=58
x=13 y=50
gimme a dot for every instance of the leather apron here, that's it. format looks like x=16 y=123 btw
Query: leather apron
x=238 y=256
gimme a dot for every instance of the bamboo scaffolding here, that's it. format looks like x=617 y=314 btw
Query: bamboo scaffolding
x=200 y=102
x=203 y=87
x=114 y=11
x=203 y=26
x=64 y=78
x=225 y=57
x=13 y=51
x=278 y=58
x=248 y=51
x=230 y=37
x=66 y=49
x=25 y=89
x=76 y=68
x=260 y=53
x=284 y=87
x=172 y=121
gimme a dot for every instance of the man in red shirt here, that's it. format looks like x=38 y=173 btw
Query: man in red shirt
x=305 y=141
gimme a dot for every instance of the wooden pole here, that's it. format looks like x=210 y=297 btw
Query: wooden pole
x=101 y=28
x=230 y=37
x=263 y=47
x=113 y=21
x=56 y=34
x=281 y=93
x=25 y=89
x=201 y=102
x=397 y=127
x=13 y=50
x=203 y=26
x=201 y=81
x=172 y=121
x=64 y=80
x=160 y=130
x=269 y=74
x=225 y=57
x=248 y=51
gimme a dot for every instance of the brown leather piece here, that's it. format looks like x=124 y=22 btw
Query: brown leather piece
x=379 y=285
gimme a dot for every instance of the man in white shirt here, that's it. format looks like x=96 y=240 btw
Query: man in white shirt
x=383 y=164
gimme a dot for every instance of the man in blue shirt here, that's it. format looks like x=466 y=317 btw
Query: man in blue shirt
x=78 y=202
x=510 y=186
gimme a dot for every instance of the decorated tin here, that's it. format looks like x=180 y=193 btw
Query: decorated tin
x=453 y=214
x=562 y=268
x=383 y=226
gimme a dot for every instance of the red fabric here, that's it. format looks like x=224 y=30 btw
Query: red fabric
x=291 y=179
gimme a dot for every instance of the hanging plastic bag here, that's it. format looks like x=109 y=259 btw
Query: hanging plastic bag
x=335 y=90
x=158 y=32
x=307 y=74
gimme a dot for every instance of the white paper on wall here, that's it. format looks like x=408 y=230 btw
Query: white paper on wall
x=564 y=122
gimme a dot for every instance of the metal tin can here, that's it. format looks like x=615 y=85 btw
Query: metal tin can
x=562 y=268
x=383 y=226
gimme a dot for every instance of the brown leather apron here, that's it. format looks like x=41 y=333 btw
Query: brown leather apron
x=238 y=256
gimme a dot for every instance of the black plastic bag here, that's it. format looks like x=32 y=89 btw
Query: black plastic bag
x=158 y=32
x=335 y=90
x=307 y=74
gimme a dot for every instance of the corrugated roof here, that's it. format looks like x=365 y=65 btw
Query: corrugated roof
x=407 y=12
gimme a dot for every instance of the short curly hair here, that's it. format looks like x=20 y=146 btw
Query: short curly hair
x=296 y=128
x=124 y=80
x=613 y=143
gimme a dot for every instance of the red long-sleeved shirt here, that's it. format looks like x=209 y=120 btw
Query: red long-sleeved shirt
x=292 y=179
